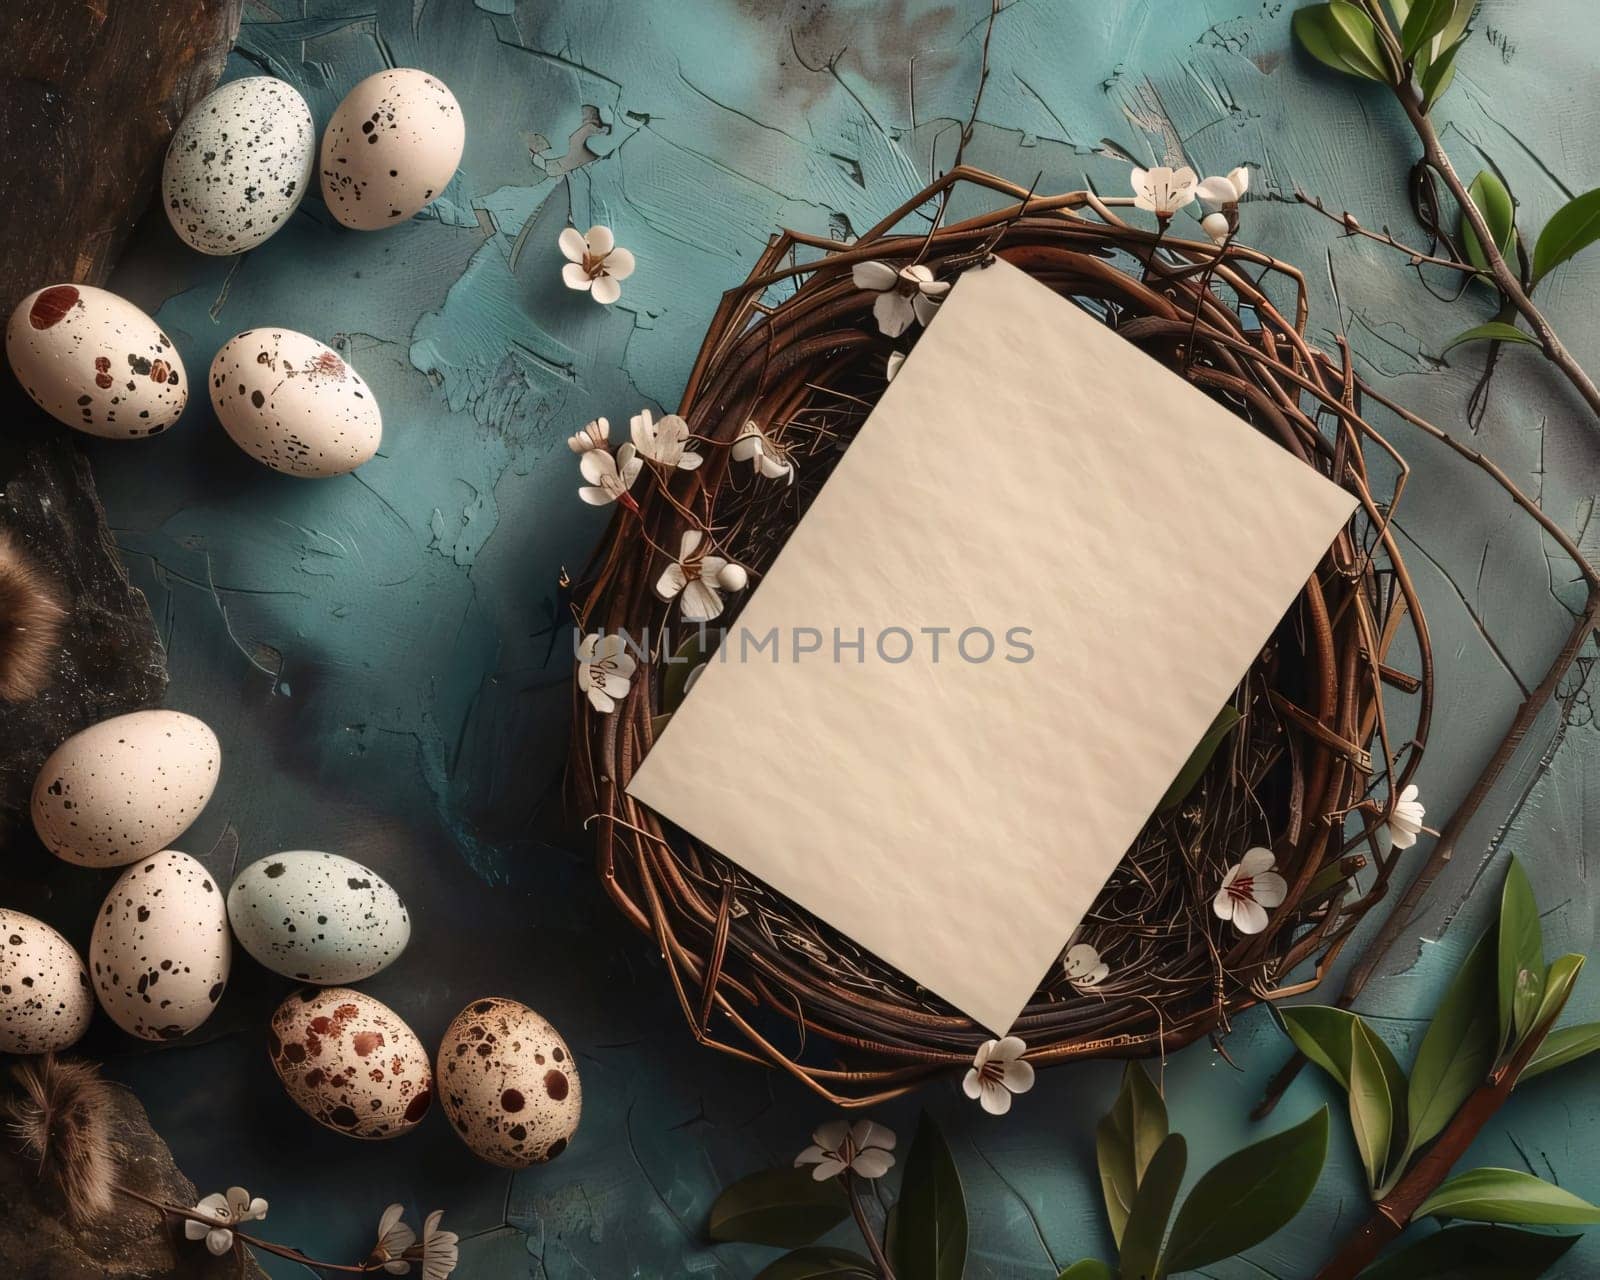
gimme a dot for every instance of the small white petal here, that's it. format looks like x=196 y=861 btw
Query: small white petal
x=606 y=290
x=876 y=276
x=572 y=244
x=1269 y=889
x=811 y=1155
x=689 y=543
x=601 y=241
x=934 y=288
x=193 y=1230
x=1216 y=191
x=1223 y=904
x=1248 y=916
x=831 y=1167
x=830 y=1135
x=924 y=308
x=970 y=1084
x=1017 y=1076
x=1215 y=225
x=1410 y=793
x=893 y=313
x=1257 y=860
x=671 y=582
x=985 y=1052
x=896 y=359
x=995 y=1099
x=576 y=277
x=733 y=577
x=872 y=1164
x=619 y=264
x=868 y=1133
x=1240 y=178
x=219 y=1241
x=700 y=601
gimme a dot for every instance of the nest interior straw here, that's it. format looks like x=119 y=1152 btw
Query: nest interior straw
x=1308 y=771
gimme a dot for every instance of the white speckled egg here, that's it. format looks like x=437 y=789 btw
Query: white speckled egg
x=238 y=165
x=350 y=1063
x=318 y=917
x=509 y=1084
x=125 y=788
x=159 y=955
x=391 y=148
x=45 y=998
x=96 y=362
x=294 y=404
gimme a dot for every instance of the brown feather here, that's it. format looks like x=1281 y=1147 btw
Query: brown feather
x=64 y=1119
x=31 y=615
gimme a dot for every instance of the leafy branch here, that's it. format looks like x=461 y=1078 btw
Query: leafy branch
x=1412 y=48
x=1493 y=1029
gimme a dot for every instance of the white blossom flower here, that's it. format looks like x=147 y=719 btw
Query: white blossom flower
x=394 y=1238
x=605 y=668
x=666 y=442
x=440 y=1252
x=768 y=457
x=609 y=477
x=1084 y=966
x=700 y=579
x=1249 y=889
x=1218 y=226
x=896 y=359
x=911 y=293
x=595 y=435
x=862 y=1147
x=1163 y=191
x=1405 y=823
x=997 y=1073
x=595 y=263
x=223 y=1212
x=1221 y=192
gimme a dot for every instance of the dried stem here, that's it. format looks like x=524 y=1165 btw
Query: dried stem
x=867 y=1233
x=1353 y=228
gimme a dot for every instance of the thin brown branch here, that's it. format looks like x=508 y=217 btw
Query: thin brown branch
x=1385 y=237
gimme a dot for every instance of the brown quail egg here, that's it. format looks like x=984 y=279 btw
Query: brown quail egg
x=509 y=1084
x=350 y=1063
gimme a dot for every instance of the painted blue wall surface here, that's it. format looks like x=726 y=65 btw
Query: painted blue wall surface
x=378 y=655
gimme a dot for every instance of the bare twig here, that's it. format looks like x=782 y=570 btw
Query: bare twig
x=1353 y=228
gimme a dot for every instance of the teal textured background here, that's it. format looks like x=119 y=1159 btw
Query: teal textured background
x=376 y=651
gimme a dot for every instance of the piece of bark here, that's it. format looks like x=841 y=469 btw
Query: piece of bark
x=36 y=1242
x=91 y=91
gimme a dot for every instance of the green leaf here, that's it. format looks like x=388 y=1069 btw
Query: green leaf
x=1243 y=1199
x=1126 y=1140
x=1457 y=1050
x=1499 y=212
x=1342 y=37
x=1561 y=1047
x=1571 y=229
x=1473 y=1252
x=1152 y=1206
x=930 y=1238
x=693 y=651
x=821 y=1262
x=1426 y=19
x=1088 y=1269
x=1521 y=962
x=1377 y=1092
x=1322 y=1033
x=1507 y=1195
x=783 y=1207
x=1440 y=72
x=1200 y=757
x=1493 y=331
x=1456 y=28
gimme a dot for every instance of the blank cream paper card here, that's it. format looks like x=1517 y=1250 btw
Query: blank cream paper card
x=954 y=805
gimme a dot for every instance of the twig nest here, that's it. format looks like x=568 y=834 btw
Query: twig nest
x=509 y=1084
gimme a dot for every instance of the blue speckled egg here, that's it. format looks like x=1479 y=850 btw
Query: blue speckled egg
x=318 y=917
x=238 y=165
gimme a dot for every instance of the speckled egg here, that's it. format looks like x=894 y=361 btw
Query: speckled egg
x=318 y=917
x=391 y=148
x=45 y=998
x=509 y=1084
x=96 y=362
x=238 y=165
x=294 y=404
x=159 y=954
x=125 y=788
x=350 y=1063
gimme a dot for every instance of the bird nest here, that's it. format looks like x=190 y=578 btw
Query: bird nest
x=1312 y=770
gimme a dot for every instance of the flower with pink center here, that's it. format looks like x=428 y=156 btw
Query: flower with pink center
x=997 y=1073
x=1249 y=889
